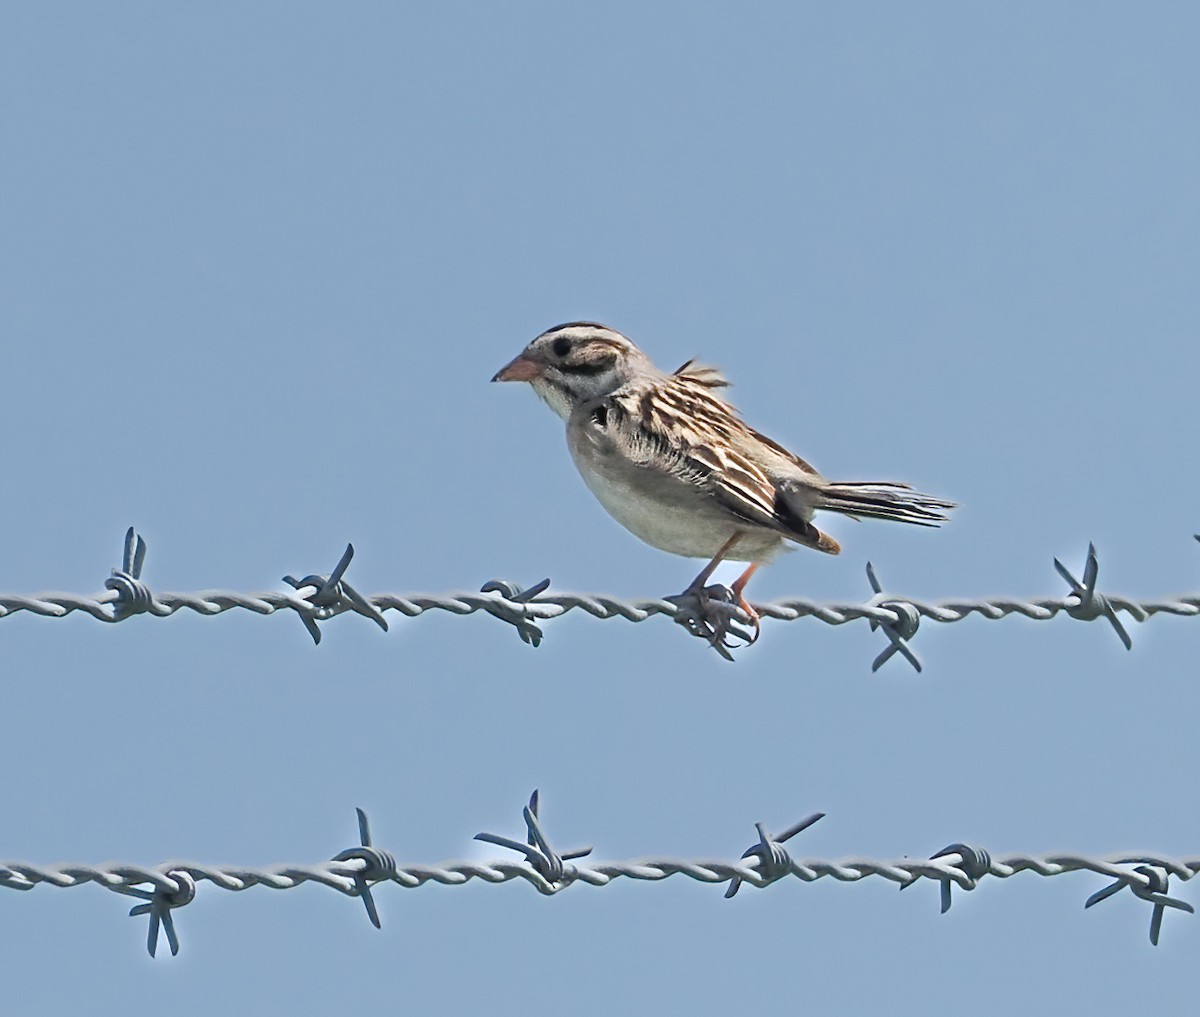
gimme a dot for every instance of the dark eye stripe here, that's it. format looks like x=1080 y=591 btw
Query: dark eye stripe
x=587 y=369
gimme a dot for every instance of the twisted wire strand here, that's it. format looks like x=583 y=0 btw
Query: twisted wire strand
x=711 y=613
x=357 y=870
x=317 y=599
x=411 y=605
x=340 y=875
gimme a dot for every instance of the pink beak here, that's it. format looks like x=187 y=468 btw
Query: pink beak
x=520 y=369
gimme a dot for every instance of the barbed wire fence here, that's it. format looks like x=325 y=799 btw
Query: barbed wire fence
x=712 y=614
x=357 y=870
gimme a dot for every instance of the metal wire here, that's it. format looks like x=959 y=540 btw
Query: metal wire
x=712 y=613
x=355 y=871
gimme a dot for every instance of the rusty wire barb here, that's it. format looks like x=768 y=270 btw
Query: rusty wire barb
x=318 y=598
x=169 y=887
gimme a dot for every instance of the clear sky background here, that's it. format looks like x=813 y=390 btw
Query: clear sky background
x=258 y=262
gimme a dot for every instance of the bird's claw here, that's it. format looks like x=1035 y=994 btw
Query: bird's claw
x=716 y=613
x=754 y=616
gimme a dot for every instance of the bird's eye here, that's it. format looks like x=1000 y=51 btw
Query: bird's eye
x=561 y=346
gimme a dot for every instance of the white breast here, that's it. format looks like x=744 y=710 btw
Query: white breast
x=664 y=511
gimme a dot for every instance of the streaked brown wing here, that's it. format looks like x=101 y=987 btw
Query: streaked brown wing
x=776 y=447
x=701 y=439
x=736 y=482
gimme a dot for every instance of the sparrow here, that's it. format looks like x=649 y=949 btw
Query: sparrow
x=676 y=465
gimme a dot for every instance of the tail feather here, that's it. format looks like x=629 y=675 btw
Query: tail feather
x=884 y=500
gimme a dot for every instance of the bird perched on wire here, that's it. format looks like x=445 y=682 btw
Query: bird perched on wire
x=673 y=462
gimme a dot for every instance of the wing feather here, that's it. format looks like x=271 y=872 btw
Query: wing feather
x=701 y=439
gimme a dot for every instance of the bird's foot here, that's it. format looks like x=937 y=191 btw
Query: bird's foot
x=754 y=616
x=718 y=614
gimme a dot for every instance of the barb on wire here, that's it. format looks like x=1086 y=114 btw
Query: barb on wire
x=1152 y=887
x=1090 y=604
x=161 y=902
x=898 y=632
x=514 y=607
x=378 y=866
x=973 y=863
x=546 y=862
x=316 y=598
x=133 y=596
x=331 y=595
x=774 y=861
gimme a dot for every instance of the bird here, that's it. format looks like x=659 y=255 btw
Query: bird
x=675 y=464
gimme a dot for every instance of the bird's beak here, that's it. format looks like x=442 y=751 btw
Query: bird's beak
x=520 y=369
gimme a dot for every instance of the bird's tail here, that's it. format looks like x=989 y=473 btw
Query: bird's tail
x=884 y=500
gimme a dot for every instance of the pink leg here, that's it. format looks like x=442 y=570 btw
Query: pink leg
x=697 y=587
x=711 y=567
x=744 y=604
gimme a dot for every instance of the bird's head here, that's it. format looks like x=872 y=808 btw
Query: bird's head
x=571 y=363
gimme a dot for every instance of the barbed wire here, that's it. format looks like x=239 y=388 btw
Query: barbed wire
x=711 y=613
x=357 y=870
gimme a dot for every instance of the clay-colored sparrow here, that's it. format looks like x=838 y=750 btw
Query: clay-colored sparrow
x=674 y=463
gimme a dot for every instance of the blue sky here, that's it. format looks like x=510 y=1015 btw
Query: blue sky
x=258 y=262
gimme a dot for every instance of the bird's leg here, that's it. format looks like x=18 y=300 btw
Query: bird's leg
x=744 y=604
x=697 y=584
x=713 y=623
